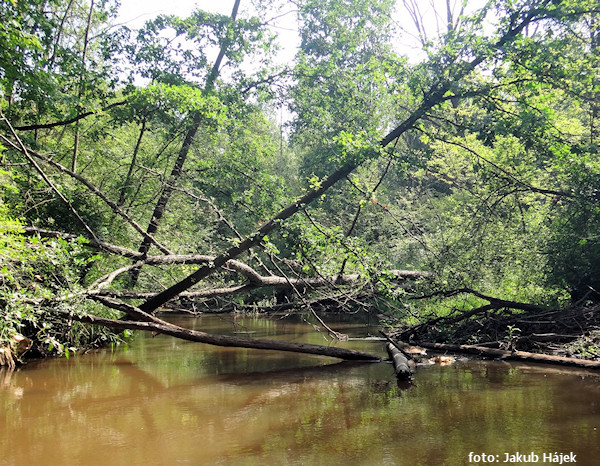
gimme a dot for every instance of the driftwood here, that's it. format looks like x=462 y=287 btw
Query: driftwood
x=402 y=365
x=511 y=355
x=148 y=322
x=160 y=326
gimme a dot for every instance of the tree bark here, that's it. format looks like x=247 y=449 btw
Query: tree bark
x=163 y=327
x=167 y=191
x=402 y=365
x=510 y=355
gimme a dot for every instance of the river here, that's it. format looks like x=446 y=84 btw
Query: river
x=163 y=401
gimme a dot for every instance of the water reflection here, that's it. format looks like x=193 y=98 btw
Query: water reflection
x=163 y=401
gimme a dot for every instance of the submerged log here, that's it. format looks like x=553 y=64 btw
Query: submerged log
x=402 y=365
x=160 y=326
x=511 y=355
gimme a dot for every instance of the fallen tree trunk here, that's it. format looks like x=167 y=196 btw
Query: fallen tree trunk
x=157 y=325
x=256 y=279
x=253 y=278
x=198 y=117
x=511 y=355
x=402 y=365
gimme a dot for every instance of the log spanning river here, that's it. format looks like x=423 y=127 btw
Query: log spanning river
x=161 y=401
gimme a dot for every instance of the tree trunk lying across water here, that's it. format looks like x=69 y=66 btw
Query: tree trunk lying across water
x=225 y=340
x=402 y=365
x=512 y=355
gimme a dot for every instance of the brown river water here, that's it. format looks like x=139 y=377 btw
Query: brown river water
x=162 y=401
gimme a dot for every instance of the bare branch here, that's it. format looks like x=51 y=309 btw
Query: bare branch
x=160 y=326
x=116 y=209
x=69 y=120
x=21 y=148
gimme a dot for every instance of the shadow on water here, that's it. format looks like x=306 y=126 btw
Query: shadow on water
x=164 y=401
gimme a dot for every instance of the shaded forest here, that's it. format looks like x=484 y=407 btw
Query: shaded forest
x=452 y=190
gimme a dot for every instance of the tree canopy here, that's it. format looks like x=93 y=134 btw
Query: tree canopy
x=145 y=169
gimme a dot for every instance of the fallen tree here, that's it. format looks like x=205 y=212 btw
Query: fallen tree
x=147 y=322
x=402 y=365
x=512 y=330
x=253 y=278
x=437 y=93
x=496 y=353
x=443 y=87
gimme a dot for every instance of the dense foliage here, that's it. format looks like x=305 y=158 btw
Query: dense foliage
x=122 y=144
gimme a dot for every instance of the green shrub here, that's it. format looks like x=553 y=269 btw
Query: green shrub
x=40 y=286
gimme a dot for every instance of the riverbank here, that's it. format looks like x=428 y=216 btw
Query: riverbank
x=573 y=332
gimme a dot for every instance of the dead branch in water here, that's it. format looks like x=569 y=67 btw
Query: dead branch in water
x=160 y=326
x=510 y=355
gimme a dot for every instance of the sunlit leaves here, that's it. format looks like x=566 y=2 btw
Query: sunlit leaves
x=177 y=50
x=347 y=77
x=355 y=148
x=42 y=69
x=171 y=104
